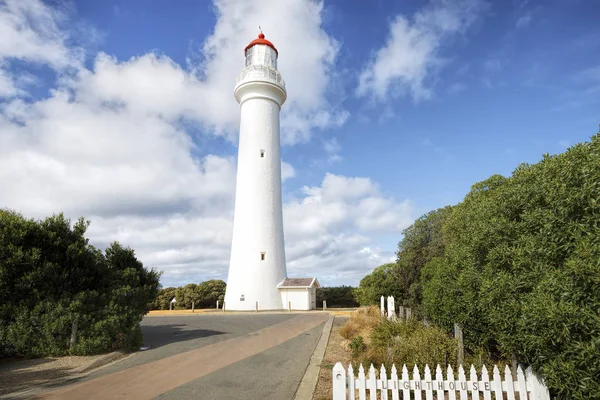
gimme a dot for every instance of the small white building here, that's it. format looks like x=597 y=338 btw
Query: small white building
x=299 y=293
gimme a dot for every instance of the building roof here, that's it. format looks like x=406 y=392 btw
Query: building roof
x=299 y=283
x=261 y=40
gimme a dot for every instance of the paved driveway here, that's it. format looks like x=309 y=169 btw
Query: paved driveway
x=209 y=356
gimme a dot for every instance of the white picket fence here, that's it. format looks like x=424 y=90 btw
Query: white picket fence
x=528 y=385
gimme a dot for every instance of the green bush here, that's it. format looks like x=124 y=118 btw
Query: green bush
x=521 y=269
x=357 y=346
x=50 y=277
x=412 y=343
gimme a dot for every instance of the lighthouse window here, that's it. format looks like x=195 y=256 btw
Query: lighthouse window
x=262 y=256
x=262 y=153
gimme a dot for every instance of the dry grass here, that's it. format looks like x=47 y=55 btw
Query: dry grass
x=361 y=323
x=344 y=329
x=335 y=351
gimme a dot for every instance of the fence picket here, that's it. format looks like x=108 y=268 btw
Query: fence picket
x=510 y=386
x=462 y=383
x=384 y=383
x=351 y=383
x=394 y=377
x=527 y=384
x=451 y=384
x=497 y=384
x=362 y=384
x=372 y=383
x=485 y=380
x=428 y=388
x=473 y=379
x=339 y=382
x=405 y=391
x=439 y=383
x=417 y=379
x=522 y=384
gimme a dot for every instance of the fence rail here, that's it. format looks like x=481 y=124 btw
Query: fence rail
x=527 y=386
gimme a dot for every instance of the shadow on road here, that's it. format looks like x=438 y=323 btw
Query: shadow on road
x=160 y=335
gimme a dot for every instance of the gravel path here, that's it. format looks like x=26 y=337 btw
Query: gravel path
x=17 y=375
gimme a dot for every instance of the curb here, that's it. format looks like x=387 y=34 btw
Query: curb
x=311 y=376
x=100 y=361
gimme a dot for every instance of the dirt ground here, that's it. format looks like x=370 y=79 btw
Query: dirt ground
x=335 y=351
x=18 y=375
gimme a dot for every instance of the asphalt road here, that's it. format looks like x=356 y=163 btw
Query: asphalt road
x=272 y=374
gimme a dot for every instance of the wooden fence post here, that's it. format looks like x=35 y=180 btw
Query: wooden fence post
x=458 y=335
x=339 y=382
x=408 y=313
x=401 y=313
x=324 y=305
x=289 y=306
x=74 y=327
x=217 y=304
x=223 y=305
x=257 y=306
x=193 y=303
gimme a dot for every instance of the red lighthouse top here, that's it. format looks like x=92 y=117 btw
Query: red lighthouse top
x=261 y=40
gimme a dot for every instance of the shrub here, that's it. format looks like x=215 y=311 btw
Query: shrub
x=50 y=277
x=520 y=269
x=357 y=346
x=412 y=343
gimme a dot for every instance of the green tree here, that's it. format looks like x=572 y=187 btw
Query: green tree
x=421 y=242
x=378 y=283
x=164 y=297
x=337 y=296
x=210 y=291
x=51 y=279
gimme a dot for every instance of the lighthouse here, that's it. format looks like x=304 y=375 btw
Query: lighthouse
x=257 y=264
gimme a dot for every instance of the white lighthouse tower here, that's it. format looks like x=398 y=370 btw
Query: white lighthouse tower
x=257 y=263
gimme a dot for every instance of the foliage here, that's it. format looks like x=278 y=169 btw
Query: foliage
x=51 y=277
x=211 y=291
x=337 y=296
x=378 y=283
x=421 y=242
x=204 y=295
x=521 y=269
x=163 y=299
x=357 y=346
x=412 y=343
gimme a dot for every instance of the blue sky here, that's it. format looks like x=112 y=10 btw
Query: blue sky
x=124 y=112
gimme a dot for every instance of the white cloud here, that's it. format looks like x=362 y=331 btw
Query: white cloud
x=287 y=171
x=109 y=143
x=307 y=61
x=411 y=53
x=327 y=229
x=332 y=148
x=523 y=20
